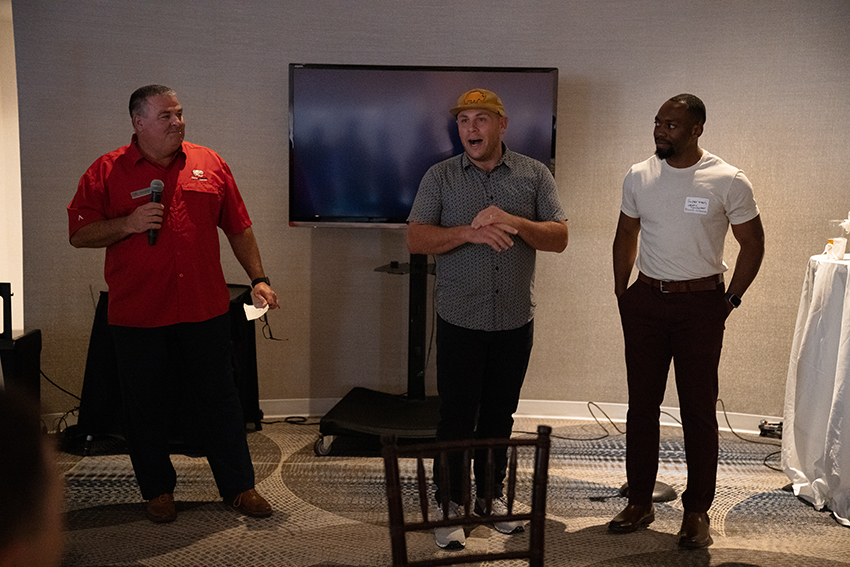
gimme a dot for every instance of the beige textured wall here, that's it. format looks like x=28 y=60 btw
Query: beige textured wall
x=774 y=75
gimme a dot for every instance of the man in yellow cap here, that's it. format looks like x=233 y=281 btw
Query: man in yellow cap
x=483 y=214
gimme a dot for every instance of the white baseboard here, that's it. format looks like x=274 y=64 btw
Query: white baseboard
x=298 y=407
x=542 y=409
x=538 y=409
x=739 y=422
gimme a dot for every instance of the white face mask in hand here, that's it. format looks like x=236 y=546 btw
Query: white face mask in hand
x=252 y=312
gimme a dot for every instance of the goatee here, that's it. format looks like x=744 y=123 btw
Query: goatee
x=664 y=153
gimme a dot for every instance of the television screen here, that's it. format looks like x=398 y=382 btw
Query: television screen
x=362 y=137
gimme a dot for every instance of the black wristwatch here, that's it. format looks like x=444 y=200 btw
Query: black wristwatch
x=266 y=280
x=733 y=300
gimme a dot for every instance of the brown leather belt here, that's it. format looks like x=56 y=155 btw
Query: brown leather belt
x=700 y=284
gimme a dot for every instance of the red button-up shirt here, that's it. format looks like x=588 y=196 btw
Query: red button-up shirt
x=179 y=279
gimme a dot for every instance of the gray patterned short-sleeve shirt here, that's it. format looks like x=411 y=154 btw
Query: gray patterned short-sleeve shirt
x=477 y=287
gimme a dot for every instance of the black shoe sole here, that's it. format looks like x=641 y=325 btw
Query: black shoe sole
x=621 y=529
x=690 y=544
x=479 y=511
x=516 y=530
x=161 y=519
x=452 y=546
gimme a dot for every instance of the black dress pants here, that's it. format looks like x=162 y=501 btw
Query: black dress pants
x=202 y=354
x=479 y=378
x=686 y=327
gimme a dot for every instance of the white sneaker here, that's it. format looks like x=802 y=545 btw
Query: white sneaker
x=500 y=508
x=450 y=537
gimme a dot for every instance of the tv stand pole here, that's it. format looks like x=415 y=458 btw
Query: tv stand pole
x=367 y=412
x=417 y=327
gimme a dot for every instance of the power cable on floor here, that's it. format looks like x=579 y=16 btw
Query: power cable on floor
x=60 y=387
x=292 y=420
x=63 y=419
x=591 y=405
x=769 y=455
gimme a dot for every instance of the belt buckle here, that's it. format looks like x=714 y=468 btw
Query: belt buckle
x=661 y=286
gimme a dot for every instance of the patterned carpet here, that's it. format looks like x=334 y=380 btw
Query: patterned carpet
x=331 y=510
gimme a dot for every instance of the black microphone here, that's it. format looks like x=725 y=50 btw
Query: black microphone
x=156 y=197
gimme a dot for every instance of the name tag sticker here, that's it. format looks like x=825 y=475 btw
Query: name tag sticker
x=696 y=205
x=140 y=193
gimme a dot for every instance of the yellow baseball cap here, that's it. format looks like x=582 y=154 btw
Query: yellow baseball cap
x=479 y=98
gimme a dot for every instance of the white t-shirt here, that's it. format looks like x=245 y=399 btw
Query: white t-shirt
x=685 y=214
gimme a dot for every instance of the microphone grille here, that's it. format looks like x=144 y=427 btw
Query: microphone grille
x=157 y=185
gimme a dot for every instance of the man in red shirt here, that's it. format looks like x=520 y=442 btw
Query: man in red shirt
x=168 y=299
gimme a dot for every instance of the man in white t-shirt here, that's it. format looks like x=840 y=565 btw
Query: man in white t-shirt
x=680 y=202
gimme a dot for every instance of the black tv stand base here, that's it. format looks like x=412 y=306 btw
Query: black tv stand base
x=365 y=412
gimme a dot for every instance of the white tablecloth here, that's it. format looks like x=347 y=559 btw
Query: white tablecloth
x=816 y=425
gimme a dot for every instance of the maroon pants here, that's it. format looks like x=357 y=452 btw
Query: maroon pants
x=687 y=328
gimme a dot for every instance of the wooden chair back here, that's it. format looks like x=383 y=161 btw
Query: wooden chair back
x=401 y=524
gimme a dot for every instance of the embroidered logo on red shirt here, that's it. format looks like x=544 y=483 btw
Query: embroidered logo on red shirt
x=198 y=174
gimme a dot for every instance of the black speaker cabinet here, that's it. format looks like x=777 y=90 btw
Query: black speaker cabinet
x=244 y=342
x=21 y=360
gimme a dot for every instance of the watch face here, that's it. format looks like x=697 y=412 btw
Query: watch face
x=734 y=300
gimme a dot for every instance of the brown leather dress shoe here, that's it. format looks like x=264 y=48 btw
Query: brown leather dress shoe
x=251 y=504
x=694 y=533
x=632 y=518
x=161 y=509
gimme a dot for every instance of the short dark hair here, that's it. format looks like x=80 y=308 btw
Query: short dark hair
x=24 y=468
x=696 y=108
x=138 y=98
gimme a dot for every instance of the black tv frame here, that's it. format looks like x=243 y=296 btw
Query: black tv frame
x=368 y=130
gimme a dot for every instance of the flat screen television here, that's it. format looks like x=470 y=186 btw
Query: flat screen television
x=361 y=137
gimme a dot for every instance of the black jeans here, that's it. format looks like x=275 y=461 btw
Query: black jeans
x=199 y=354
x=479 y=378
